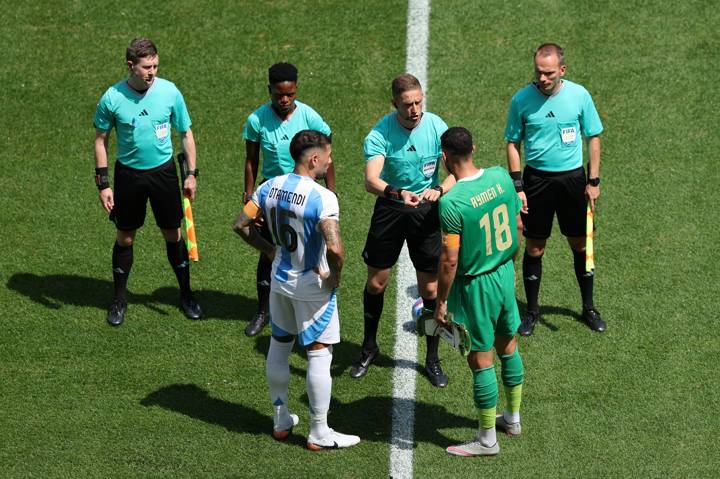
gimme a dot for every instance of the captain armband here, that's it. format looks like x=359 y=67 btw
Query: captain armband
x=517 y=180
x=451 y=240
x=393 y=193
x=250 y=212
x=101 y=178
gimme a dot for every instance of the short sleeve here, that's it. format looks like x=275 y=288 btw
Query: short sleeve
x=590 y=119
x=315 y=122
x=450 y=220
x=104 y=119
x=180 y=117
x=251 y=131
x=514 y=129
x=374 y=145
x=330 y=207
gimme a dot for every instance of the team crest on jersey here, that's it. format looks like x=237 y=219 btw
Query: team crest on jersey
x=428 y=167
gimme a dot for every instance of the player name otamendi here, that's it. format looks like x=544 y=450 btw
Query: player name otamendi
x=289 y=196
x=487 y=195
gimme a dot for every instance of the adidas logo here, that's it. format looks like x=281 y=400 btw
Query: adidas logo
x=285 y=138
x=143 y=113
x=118 y=270
x=550 y=115
x=412 y=148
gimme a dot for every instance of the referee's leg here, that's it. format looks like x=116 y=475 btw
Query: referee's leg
x=179 y=260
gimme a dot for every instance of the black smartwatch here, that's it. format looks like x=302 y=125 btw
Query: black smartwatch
x=193 y=173
x=594 y=181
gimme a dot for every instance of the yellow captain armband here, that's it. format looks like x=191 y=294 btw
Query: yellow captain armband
x=250 y=212
x=451 y=240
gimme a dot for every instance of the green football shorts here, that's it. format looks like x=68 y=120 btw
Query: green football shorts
x=486 y=305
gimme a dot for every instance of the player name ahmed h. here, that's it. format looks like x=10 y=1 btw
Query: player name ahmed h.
x=289 y=196
x=487 y=195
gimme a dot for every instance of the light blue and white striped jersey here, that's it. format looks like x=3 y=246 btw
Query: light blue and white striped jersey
x=293 y=206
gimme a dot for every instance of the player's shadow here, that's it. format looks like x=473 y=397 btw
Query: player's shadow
x=369 y=417
x=57 y=290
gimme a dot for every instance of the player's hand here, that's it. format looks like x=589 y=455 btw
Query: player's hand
x=441 y=313
x=189 y=187
x=430 y=194
x=333 y=279
x=592 y=193
x=523 y=199
x=259 y=221
x=106 y=199
x=410 y=198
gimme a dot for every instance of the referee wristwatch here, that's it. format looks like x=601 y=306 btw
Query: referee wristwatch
x=193 y=173
x=594 y=181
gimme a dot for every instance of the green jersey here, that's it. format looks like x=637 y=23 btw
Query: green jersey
x=142 y=121
x=411 y=156
x=482 y=210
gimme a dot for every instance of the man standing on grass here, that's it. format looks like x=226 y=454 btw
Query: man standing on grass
x=270 y=129
x=142 y=108
x=402 y=153
x=307 y=258
x=551 y=116
x=480 y=225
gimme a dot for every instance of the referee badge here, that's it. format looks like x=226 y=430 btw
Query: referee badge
x=568 y=135
x=428 y=167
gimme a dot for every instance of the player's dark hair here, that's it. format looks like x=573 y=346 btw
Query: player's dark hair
x=140 y=48
x=281 y=72
x=548 y=49
x=305 y=140
x=457 y=142
x=403 y=83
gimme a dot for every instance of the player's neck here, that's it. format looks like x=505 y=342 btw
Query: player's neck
x=303 y=170
x=465 y=170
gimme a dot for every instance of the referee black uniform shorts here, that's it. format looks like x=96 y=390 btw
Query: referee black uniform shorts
x=550 y=192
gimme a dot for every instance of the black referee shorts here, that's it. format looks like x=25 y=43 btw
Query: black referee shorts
x=133 y=188
x=554 y=192
x=392 y=224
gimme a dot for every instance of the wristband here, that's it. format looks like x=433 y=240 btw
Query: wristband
x=594 y=181
x=439 y=188
x=392 y=192
x=517 y=180
x=101 y=178
x=193 y=173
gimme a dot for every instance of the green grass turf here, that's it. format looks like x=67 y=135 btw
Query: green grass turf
x=162 y=396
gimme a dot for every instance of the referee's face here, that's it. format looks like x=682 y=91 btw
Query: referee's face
x=409 y=107
x=548 y=73
x=143 y=71
x=282 y=96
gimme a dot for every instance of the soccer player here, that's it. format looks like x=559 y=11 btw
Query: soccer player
x=270 y=128
x=402 y=153
x=142 y=109
x=476 y=283
x=307 y=258
x=550 y=117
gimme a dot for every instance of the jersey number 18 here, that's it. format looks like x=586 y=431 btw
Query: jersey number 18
x=500 y=228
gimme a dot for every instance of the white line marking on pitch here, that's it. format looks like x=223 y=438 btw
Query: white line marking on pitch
x=406 y=343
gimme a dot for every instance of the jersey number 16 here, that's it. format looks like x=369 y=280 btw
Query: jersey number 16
x=286 y=235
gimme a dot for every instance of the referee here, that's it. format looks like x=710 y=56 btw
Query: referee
x=270 y=128
x=551 y=116
x=142 y=109
x=402 y=153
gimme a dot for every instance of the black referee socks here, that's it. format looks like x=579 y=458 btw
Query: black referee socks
x=585 y=280
x=532 y=273
x=122 y=260
x=177 y=255
x=373 y=308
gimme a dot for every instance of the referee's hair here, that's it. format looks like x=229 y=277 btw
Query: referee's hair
x=549 y=49
x=403 y=83
x=140 y=48
x=281 y=72
x=305 y=140
x=457 y=142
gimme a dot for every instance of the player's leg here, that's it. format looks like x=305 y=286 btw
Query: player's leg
x=128 y=215
x=262 y=277
x=165 y=201
x=382 y=249
x=424 y=243
x=277 y=368
x=571 y=218
x=537 y=226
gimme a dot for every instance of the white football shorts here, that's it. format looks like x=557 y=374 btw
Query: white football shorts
x=310 y=321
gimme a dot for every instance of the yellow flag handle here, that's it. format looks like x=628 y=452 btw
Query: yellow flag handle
x=589 y=248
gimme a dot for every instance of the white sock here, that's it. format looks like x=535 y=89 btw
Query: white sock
x=319 y=387
x=511 y=417
x=277 y=371
x=488 y=437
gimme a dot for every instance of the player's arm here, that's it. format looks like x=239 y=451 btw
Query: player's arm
x=513 y=161
x=593 y=147
x=188 y=144
x=330 y=229
x=434 y=194
x=105 y=193
x=252 y=163
x=245 y=226
x=447 y=267
x=375 y=185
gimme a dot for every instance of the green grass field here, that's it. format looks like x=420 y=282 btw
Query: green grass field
x=162 y=396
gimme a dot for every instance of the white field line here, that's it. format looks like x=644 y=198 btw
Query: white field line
x=406 y=343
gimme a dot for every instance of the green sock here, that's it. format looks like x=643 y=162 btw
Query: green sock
x=485 y=393
x=513 y=397
x=512 y=375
